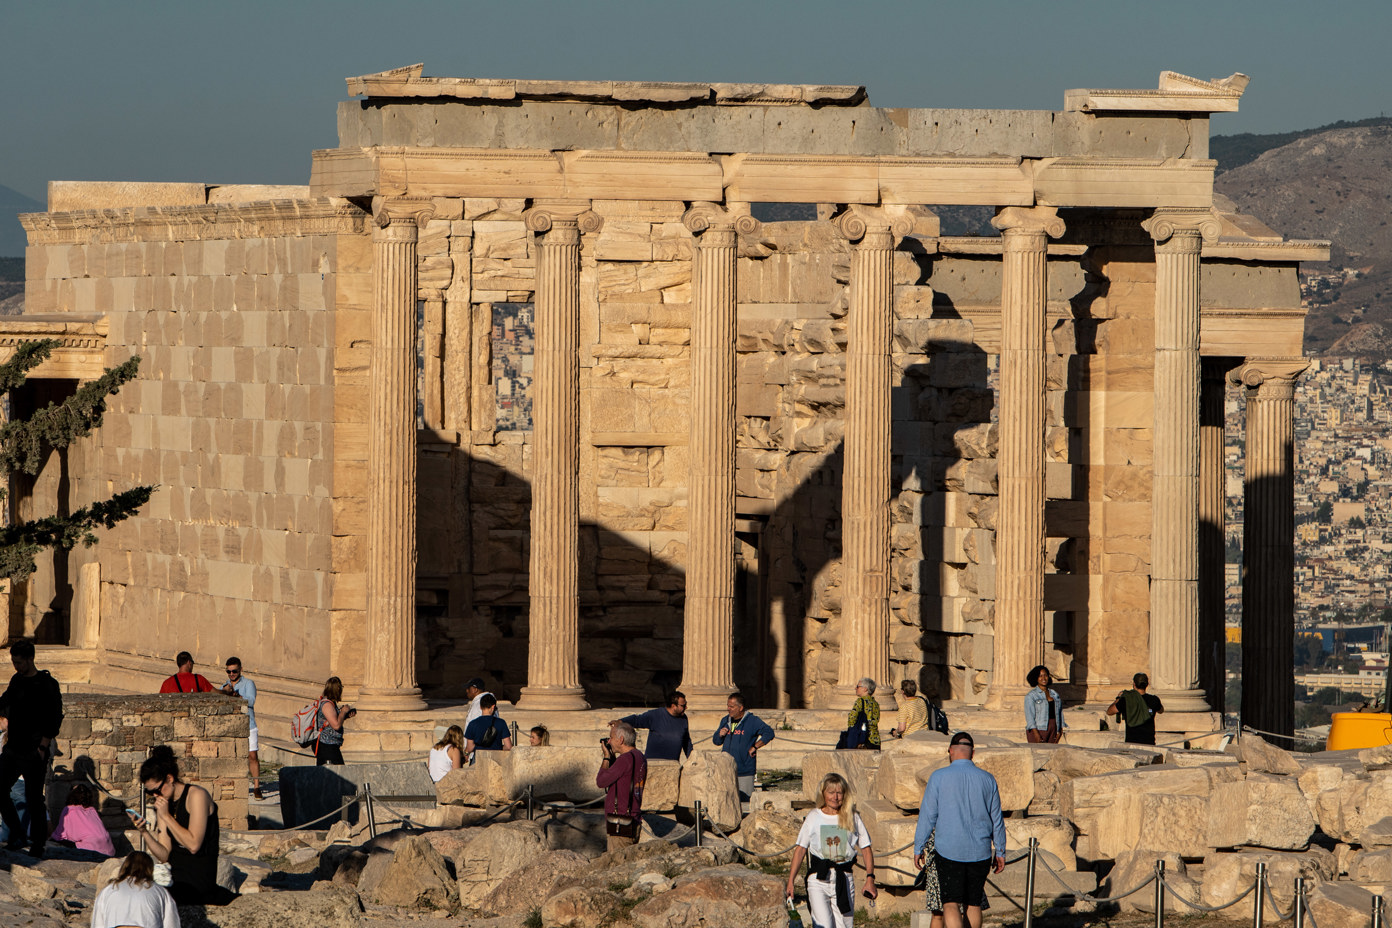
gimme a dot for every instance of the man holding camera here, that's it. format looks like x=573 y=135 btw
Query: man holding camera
x=623 y=771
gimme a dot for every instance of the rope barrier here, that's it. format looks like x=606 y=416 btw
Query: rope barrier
x=280 y=831
x=1271 y=898
x=1271 y=734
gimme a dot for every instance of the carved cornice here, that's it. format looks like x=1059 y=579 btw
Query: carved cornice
x=1026 y=228
x=1269 y=378
x=1176 y=93
x=81 y=350
x=268 y=219
x=1165 y=224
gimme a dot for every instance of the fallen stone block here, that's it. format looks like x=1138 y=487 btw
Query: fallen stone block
x=1014 y=773
x=1227 y=875
x=858 y=767
x=499 y=851
x=1134 y=868
x=663 y=788
x=890 y=831
x=532 y=884
x=326 y=905
x=1261 y=756
x=481 y=784
x=1261 y=810
x=1339 y=905
x=1200 y=759
x=1373 y=866
x=1055 y=835
x=1070 y=762
x=901 y=777
x=1158 y=806
x=709 y=776
x=729 y=895
x=767 y=832
x=553 y=772
x=1376 y=834
x=416 y=877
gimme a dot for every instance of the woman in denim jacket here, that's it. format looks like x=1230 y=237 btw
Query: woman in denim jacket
x=1043 y=708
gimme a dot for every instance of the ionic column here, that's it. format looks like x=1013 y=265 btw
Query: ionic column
x=1174 y=571
x=389 y=678
x=1019 y=630
x=1212 y=534
x=1268 y=544
x=865 y=482
x=553 y=657
x=708 y=627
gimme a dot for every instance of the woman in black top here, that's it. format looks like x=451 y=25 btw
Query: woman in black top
x=187 y=836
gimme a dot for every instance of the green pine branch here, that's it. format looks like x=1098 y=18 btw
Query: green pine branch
x=24 y=443
x=26 y=357
x=20 y=543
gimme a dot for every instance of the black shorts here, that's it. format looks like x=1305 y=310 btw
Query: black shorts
x=962 y=882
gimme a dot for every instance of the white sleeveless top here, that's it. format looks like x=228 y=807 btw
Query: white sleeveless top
x=439 y=763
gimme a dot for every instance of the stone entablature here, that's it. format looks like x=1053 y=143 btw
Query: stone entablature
x=109 y=737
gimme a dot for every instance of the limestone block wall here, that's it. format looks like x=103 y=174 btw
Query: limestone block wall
x=249 y=412
x=109 y=737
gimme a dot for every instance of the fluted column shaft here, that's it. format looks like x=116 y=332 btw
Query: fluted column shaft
x=1212 y=533
x=389 y=679
x=708 y=627
x=1174 y=567
x=1019 y=625
x=865 y=484
x=553 y=656
x=1268 y=546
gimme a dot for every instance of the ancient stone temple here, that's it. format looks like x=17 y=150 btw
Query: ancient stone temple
x=600 y=388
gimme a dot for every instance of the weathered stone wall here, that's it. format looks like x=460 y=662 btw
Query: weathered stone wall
x=249 y=413
x=109 y=737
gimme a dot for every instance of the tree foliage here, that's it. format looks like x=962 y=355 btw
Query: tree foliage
x=25 y=443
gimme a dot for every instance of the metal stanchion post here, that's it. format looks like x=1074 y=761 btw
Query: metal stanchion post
x=1160 y=894
x=371 y=816
x=1029 y=883
x=514 y=733
x=144 y=815
x=1377 y=912
x=1259 y=910
x=1298 y=914
x=700 y=811
x=530 y=812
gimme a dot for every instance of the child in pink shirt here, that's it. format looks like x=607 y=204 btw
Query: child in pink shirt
x=81 y=824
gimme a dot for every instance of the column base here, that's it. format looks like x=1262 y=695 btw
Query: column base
x=703 y=697
x=406 y=699
x=552 y=699
x=1181 y=700
x=1009 y=696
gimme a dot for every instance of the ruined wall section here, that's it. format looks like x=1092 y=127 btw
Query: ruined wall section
x=231 y=308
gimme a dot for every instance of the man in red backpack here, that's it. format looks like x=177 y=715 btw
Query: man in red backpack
x=186 y=681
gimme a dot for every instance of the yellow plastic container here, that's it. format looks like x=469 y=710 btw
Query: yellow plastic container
x=1359 y=730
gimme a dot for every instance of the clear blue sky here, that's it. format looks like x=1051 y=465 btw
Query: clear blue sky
x=241 y=92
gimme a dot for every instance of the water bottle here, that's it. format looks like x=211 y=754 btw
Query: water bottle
x=794 y=919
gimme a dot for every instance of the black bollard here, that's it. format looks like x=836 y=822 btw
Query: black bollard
x=1029 y=882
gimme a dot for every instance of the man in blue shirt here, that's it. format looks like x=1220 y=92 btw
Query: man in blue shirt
x=669 y=736
x=488 y=732
x=740 y=735
x=962 y=803
x=238 y=684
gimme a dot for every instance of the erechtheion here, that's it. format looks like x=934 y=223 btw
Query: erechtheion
x=520 y=384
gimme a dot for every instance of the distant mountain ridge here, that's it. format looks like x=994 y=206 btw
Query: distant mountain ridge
x=1233 y=151
x=1333 y=184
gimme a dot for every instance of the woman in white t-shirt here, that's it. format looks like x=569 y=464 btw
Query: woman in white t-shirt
x=447 y=754
x=830 y=837
x=133 y=899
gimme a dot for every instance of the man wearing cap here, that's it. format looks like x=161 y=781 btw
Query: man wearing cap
x=961 y=802
x=475 y=690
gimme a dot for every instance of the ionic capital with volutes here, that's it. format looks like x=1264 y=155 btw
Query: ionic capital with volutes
x=562 y=220
x=1025 y=228
x=703 y=217
x=875 y=226
x=1269 y=378
x=1182 y=229
x=399 y=219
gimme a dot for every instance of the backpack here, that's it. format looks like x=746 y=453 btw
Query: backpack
x=304 y=725
x=488 y=737
x=937 y=718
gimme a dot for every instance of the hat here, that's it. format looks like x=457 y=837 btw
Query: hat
x=962 y=737
x=476 y=683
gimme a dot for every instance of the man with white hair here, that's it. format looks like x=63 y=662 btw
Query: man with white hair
x=622 y=774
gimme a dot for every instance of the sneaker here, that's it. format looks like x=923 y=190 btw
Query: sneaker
x=36 y=851
x=256 y=793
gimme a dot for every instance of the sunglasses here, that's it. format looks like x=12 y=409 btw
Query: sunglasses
x=153 y=791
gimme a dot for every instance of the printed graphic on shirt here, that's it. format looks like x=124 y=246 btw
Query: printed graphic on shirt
x=834 y=843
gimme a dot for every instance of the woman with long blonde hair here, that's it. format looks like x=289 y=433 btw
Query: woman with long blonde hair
x=831 y=836
x=447 y=754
